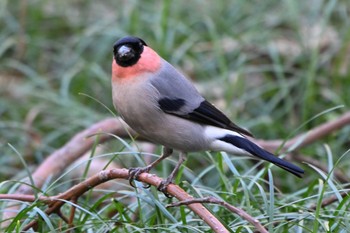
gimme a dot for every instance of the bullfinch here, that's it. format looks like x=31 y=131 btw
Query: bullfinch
x=160 y=104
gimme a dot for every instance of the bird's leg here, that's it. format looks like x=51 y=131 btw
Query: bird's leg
x=164 y=184
x=136 y=171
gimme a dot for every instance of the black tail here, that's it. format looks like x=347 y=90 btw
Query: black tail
x=253 y=149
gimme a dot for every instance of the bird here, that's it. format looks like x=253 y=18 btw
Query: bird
x=162 y=105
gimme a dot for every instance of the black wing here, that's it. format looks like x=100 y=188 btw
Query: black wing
x=206 y=114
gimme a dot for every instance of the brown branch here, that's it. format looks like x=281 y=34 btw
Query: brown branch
x=25 y=197
x=328 y=201
x=81 y=143
x=76 y=147
x=308 y=137
x=56 y=202
x=59 y=160
x=337 y=173
x=233 y=209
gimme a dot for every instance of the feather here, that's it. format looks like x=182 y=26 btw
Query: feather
x=206 y=114
x=257 y=151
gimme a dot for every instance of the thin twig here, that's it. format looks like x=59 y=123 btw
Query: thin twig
x=308 y=137
x=25 y=197
x=337 y=173
x=72 y=213
x=328 y=201
x=62 y=216
x=233 y=209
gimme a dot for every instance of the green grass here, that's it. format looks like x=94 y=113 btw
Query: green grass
x=261 y=62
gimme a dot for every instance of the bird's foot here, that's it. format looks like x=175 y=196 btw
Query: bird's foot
x=135 y=172
x=163 y=186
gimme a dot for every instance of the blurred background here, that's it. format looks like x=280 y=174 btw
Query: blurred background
x=271 y=66
x=278 y=68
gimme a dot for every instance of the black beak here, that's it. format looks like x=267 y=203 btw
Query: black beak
x=125 y=53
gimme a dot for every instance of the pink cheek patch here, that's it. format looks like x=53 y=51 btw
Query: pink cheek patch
x=149 y=62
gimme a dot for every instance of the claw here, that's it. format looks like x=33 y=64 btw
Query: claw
x=146 y=186
x=134 y=174
x=162 y=187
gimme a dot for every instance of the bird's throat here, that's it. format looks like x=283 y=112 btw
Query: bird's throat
x=149 y=62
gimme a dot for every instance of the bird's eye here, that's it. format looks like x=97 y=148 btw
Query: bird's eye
x=125 y=53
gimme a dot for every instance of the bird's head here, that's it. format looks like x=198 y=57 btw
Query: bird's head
x=133 y=57
x=127 y=51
